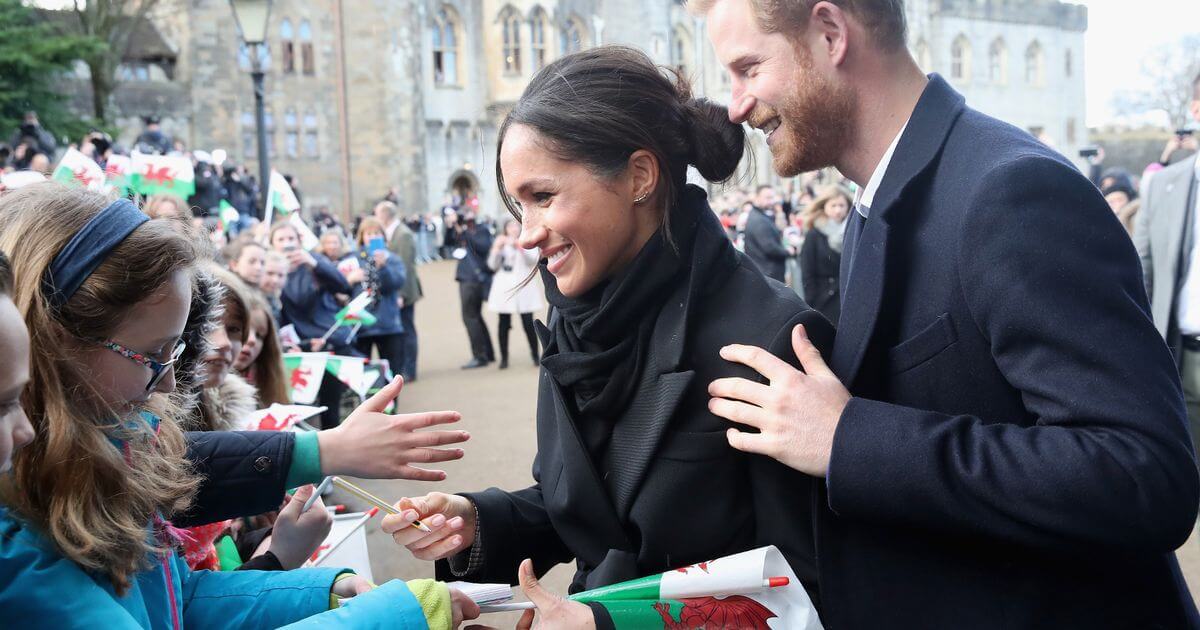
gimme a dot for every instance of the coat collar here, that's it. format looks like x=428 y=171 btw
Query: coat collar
x=866 y=253
x=641 y=429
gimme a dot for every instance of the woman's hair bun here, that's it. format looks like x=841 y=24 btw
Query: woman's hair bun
x=715 y=145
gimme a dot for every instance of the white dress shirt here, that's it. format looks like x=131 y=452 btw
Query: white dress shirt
x=1187 y=307
x=866 y=196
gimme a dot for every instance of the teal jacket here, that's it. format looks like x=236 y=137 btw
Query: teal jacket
x=40 y=587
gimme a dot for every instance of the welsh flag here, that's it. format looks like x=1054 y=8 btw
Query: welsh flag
x=117 y=171
x=351 y=371
x=356 y=312
x=153 y=174
x=305 y=371
x=754 y=590
x=282 y=198
x=308 y=240
x=279 y=417
x=228 y=215
x=77 y=169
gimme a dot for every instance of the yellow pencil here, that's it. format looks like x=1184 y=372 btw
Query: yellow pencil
x=373 y=500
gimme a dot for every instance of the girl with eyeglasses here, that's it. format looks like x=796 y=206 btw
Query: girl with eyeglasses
x=84 y=537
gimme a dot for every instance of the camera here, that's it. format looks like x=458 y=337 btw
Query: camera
x=1088 y=152
x=1183 y=133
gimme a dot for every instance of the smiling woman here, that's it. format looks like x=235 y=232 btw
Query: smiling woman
x=645 y=289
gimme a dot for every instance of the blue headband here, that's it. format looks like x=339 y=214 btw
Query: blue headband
x=88 y=248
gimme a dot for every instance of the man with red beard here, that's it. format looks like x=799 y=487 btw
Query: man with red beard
x=1012 y=449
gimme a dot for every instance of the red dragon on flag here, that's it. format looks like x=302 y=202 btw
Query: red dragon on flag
x=711 y=613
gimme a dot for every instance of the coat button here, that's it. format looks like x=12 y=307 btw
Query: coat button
x=263 y=464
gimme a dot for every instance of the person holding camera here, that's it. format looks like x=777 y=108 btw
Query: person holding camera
x=513 y=291
x=34 y=136
x=474 y=281
x=309 y=303
x=1182 y=140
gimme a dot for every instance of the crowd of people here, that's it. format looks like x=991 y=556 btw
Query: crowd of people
x=969 y=409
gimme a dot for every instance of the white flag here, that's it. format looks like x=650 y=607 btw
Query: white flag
x=346 y=545
x=279 y=417
x=305 y=371
x=78 y=169
x=308 y=240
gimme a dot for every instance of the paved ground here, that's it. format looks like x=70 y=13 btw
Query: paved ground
x=498 y=409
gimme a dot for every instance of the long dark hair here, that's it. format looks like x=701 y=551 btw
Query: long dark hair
x=599 y=106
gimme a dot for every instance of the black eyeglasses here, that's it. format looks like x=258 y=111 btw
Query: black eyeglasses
x=158 y=371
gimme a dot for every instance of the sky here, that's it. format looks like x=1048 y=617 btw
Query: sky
x=1120 y=33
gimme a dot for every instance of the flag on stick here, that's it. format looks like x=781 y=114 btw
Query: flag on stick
x=279 y=417
x=308 y=240
x=348 y=370
x=305 y=372
x=116 y=171
x=280 y=195
x=77 y=169
x=153 y=174
x=754 y=590
x=228 y=215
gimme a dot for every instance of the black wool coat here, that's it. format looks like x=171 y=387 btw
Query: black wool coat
x=694 y=497
x=820 y=268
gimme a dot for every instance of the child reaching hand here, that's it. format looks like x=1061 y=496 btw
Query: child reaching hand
x=84 y=536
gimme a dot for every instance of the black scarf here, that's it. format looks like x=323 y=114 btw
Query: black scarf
x=599 y=341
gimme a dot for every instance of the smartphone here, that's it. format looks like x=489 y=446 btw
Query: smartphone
x=1183 y=133
x=1088 y=152
x=289 y=249
x=375 y=244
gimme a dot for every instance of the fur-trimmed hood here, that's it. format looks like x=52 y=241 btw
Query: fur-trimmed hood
x=204 y=315
x=229 y=404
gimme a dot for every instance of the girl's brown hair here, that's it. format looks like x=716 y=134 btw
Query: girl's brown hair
x=235 y=303
x=266 y=373
x=71 y=483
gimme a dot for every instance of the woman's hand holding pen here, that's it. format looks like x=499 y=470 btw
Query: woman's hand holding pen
x=451 y=519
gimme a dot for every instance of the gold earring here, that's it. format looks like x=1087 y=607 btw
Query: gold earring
x=639 y=200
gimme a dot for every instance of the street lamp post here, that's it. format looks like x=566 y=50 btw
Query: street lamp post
x=251 y=17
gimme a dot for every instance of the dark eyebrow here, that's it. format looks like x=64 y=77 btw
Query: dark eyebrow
x=534 y=183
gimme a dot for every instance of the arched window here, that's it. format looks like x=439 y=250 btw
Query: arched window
x=311 y=138
x=1035 y=65
x=922 y=54
x=291 y=133
x=510 y=32
x=998 y=62
x=1069 y=63
x=306 y=49
x=681 y=51
x=537 y=38
x=960 y=59
x=572 y=36
x=444 y=33
x=288 y=47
